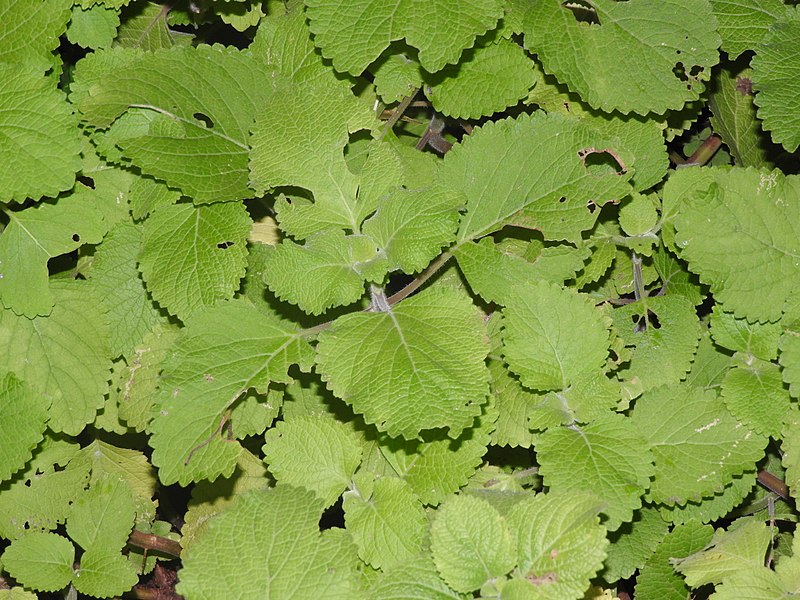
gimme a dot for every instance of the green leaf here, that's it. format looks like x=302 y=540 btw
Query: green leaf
x=94 y=27
x=680 y=421
x=606 y=61
x=553 y=336
x=386 y=520
x=148 y=30
x=40 y=561
x=417 y=579
x=608 y=458
x=790 y=443
x=754 y=393
x=102 y=574
x=742 y=546
x=584 y=401
x=23 y=414
x=560 y=542
x=471 y=543
x=193 y=256
x=491 y=273
x=224 y=351
x=743 y=23
x=489 y=78
x=440 y=31
x=775 y=72
x=41 y=143
x=633 y=544
x=728 y=249
x=183 y=96
x=554 y=194
x=514 y=404
x=712 y=507
x=65 y=356
x=32 y=237
x=314 y=452
x=396 y=76
x=267 y=558
x=116 y=278
x=435 y=375
x=327 y=270
x=657 y=580
x=29 y=32
x=102 y=518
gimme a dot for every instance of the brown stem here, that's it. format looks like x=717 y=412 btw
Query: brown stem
x=151 y=541
x=422 y=278
x=398 y=112
x=774 y=484
x=705 y=152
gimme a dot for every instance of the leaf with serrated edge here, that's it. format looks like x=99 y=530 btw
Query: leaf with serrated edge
x=103 y=574
x=553 y=184
x=29 y=33
x=102 y=518
x=634 y=543
x=640 y=57
x=199 y=103
x=471 y=543
x=314 y=452
x=40 y=561
x=754 y=393
x=553 y=336
x=94 y=27
x=608 y=457
x=386 y=520
x=743 y=23
x=560 y=542
x=757 y=339
x=224 y=351
x=193 y=256
x=712 y=507
x=702 y=428
x=434 y=376
x=64 y=356
x=23 y=414
x=440 y=30
x=416 y=578
x=250 y=545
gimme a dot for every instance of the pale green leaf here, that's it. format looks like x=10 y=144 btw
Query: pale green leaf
x=254 y=412
x=102 y=518
x=554 y=194
x=241 y=16
x=148 y=30
x=488 y=79
x=94 y=27
x=416 y=579
x=553 y=336
x=633 y=544
x=754 y=393
x=742 y=546
x=103 y=574
x=65 y=356
x=32 y=237
x=441 y=30
x=40 y=561
x=734 y=115
x=193 y=256
x=386 y=520
x=435 y=375
x=790 y=452
x=29 y=32
x=224 y=351
x=756 y=339
x=316 y=453
x=586 y=399
x=743 y=23
x=411 y=226
x=39 y=498
x=23 y=414
x=491 y=273
x=709 y=366
x=789 y=345
x=679 y=421
x=250 y=552
x=638 y=216
x=560 y=542
x=776 y=68
x=514 y=404
x=295 y=146
x=116 y=278
x=603 y=253
x=729 y=249
x=608 y=458
x=657 y=580
x=712 y=507
x=197 y=105
x=327 y=270
x=637 y=57
x=675 y=278
x=396 y=76
x=755 y=583
x=471 y=543
x=17 y=593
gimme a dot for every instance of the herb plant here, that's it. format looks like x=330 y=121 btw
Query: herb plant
x=412 y=299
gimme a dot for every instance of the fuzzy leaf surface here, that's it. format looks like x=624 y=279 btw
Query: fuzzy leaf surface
x=754 y=393
x=434 y=376
x=224 y=351
x=440 y=30
x=23 y=414
x=744 y=23
x=104 y=574
x=102 y=518
x=417 y=579
x=29 y=32
x=40 y=560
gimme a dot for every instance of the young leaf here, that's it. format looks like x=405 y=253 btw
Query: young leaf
x=103 y=574
x=102 y=518
x=471 y=543
x=435 y=375
x=193 y=256
x=224 y=351
x=440 y=31
x=23 y=414
x=40 y=560
x=316 y=453
x=94 y=27
x=605 y=62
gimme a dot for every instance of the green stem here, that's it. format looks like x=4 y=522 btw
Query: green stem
x=398 y=112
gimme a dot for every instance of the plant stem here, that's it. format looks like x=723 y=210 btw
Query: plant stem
x=398 y=112
x=773 y=484
x=151 y=541
x=423 y=277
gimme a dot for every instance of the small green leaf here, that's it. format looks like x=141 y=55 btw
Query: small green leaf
x=471 y=543
x=102 y=518
x=23 y=414
x=40 y=561
x=633 y=544
x=417 y=578
x=754 y=393
x=94 y=27
x=104 y=574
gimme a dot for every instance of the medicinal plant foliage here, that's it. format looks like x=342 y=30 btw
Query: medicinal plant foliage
x=415 y=299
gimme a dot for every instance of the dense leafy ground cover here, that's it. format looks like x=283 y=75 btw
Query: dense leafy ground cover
x=412 y=299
